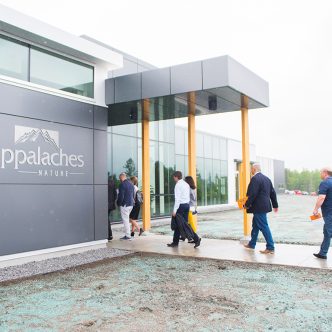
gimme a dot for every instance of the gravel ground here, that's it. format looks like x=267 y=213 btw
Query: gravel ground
x=290 y=225
x=159 y=293
x=59 y=263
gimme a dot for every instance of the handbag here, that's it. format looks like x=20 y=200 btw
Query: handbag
x=173 y=224
x=192 y=220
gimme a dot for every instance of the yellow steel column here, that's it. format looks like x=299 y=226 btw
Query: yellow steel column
x=146 y=209
x=191 y=98
x=245 y=167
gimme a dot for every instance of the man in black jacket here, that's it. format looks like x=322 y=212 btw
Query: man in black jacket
x=125 y=202
x=260 y=195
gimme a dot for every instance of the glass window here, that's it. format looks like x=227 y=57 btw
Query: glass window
x=200 y=181
x=14 y=59
x=180 y=164
x=216 y=183
x=208 y=180
x=216 y=153
x=167 y=131
x=223 y=148
x=61 y=73
x=153 y=128
x=154 y=168
x=179 y=141
x=167 y=167
x=127 y=129
x=186 y=142
x=124 y=151
x=199 y=145
x=207 y=146
x=224 y=168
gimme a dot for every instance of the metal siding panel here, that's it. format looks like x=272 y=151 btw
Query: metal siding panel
x=100 y=117
x=247 y=82
x=36 y=217
x=186 y=77
x=101 y=210
x=17 y=101
x=156 y=83
x=215 y=73
x=128 y=88
x=100 y=157
x=109 y=91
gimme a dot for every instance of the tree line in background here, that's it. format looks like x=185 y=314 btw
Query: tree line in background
x=302 y=180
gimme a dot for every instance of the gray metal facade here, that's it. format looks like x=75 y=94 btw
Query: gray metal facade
x=222 y=77
x=53 y=171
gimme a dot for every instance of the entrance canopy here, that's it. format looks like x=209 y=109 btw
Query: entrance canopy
x=219 y=85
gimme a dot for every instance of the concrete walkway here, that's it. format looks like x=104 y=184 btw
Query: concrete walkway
x=286 y=254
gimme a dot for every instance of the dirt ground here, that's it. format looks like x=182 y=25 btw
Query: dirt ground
x=290 y=225
x=159 y=293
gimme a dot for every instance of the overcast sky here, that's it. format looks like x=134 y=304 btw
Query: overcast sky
x=288 y=43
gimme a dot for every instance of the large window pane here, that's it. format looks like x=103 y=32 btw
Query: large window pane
x=207 y=146
x=180 y=164
x=216 y=153
x=199 y=145
x=200 y=181
x=216 y=184
x=179 y=141
x=167 y=131
x=14 y=59
x=127 y=129
x=124 y=152
x=223 y=148
x=208 y=180
x=61 y=73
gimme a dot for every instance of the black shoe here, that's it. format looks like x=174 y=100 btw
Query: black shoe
x=320 y=256
x=198 y=243
x=182 y=238
x=110 y=238
x=191 y=241
x=140 y=231
x=172 y=244
x=132 y=234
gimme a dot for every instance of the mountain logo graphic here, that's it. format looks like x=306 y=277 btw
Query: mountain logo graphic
x=28 y=134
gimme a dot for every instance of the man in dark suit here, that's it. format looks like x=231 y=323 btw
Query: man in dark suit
x=260 y=195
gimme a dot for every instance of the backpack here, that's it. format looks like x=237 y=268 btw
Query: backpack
x=139 y=197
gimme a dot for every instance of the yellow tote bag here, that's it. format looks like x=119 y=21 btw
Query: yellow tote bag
x=192 y=220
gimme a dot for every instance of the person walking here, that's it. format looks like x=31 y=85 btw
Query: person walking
x=324 y=201
x=260 y=194
x=181 y=206
x=125 y=202
x=111 y=204
x=192 y=204
x=133 y=217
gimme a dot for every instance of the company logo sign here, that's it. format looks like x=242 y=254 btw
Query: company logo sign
x=36 y=147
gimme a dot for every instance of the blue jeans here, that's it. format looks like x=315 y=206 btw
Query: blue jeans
x=327 y=231
x=259 y=223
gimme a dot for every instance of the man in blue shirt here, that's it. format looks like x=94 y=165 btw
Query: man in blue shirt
x=125 y=202
x=324 y=201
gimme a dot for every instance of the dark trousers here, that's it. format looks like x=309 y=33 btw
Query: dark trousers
x=110 y=234
x=183 y=210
